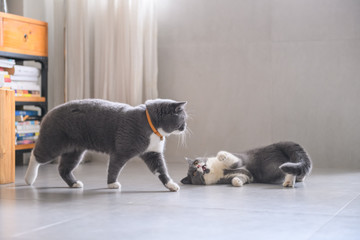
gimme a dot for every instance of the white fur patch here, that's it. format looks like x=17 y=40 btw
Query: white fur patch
x=155 y=145
x=172 y=186
x=78 y=184
x=32 y=170
x=228 y=158
x=236 y=182
x=163 y=133
x=115 y=185
x=217 y=170
x=289 y=180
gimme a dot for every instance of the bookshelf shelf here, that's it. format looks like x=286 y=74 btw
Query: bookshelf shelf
x=24 y=146
x=30 y=99
x=22 y=39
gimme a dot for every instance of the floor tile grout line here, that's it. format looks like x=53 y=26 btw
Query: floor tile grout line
x=347 y=204
x=42 y=228
x=337 y=213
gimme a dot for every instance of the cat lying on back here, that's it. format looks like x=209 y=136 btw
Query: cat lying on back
x=285 y=162
x=118 y=129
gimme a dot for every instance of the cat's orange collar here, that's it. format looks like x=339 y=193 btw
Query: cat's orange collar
x=152 y=126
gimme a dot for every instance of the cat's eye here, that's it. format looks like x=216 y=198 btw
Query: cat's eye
x=196 y=162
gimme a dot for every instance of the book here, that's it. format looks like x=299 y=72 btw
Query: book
x=27 y=93
x=23 y=142
x=28 y=129
x=21 y=118
x=24 y=78
x=19 y=70
x=26 y=112
x=18 y=135
x=27 y=125
x=29 y=136
x=21 y=85
x=5 y=80
x=6 y=62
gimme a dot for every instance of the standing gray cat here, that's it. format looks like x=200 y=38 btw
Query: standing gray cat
x=285 y=162
x=120 y=130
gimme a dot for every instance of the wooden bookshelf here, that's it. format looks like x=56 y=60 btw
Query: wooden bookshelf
x=23 y=35
x=24 y=146
x=22 y=39
x=7 y=136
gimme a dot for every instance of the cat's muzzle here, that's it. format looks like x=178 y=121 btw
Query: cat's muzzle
x=182 y=127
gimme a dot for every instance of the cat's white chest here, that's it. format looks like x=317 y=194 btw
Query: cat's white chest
x=155 y=145
x=216 y=171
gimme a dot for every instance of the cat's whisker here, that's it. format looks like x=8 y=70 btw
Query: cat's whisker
x=182 y=138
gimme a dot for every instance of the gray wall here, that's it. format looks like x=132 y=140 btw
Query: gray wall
x=259 y=71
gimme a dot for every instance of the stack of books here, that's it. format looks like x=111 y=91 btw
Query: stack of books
x=27 y=126
x=5 y=80
x=23 y=79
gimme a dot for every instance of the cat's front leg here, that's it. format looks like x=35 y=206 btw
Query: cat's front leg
x=228 y=159
x=240 y=180
x=156 y=163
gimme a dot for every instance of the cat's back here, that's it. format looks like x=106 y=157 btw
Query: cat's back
x=86 y=117
x=89 y=106
x=93 y=110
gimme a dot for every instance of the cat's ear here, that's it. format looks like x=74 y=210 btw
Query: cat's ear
x=179 y=106
x=190 y=161
x=186 y=180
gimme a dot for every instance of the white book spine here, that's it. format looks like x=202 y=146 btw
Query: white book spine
x=26 y=71
x=25 y=86
x=24 y=78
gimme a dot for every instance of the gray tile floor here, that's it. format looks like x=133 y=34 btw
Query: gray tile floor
x=327 y=206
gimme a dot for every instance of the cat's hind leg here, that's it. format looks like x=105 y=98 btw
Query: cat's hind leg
x=289 y=180
x=39 y=156
x=32 y=170
x=300 y=178
x=228 y=159
x=68 y=162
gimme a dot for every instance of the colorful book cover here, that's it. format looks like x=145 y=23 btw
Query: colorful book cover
x=26 y=112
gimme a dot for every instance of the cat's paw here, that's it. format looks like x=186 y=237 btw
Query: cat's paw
x=172 y=186
x=236 y=182
x=115 y=185
x=77 y=184
x=222 y=155
x=289 y=181
x=289 y=184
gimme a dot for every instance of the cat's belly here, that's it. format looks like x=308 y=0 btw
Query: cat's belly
x=216 y=171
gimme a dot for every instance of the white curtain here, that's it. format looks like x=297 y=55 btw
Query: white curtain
x=111 y=50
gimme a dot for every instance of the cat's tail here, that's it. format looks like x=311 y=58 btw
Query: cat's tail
x=300 y=163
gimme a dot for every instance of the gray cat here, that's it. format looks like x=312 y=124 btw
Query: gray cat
x=284 y=161
x=120 y=130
